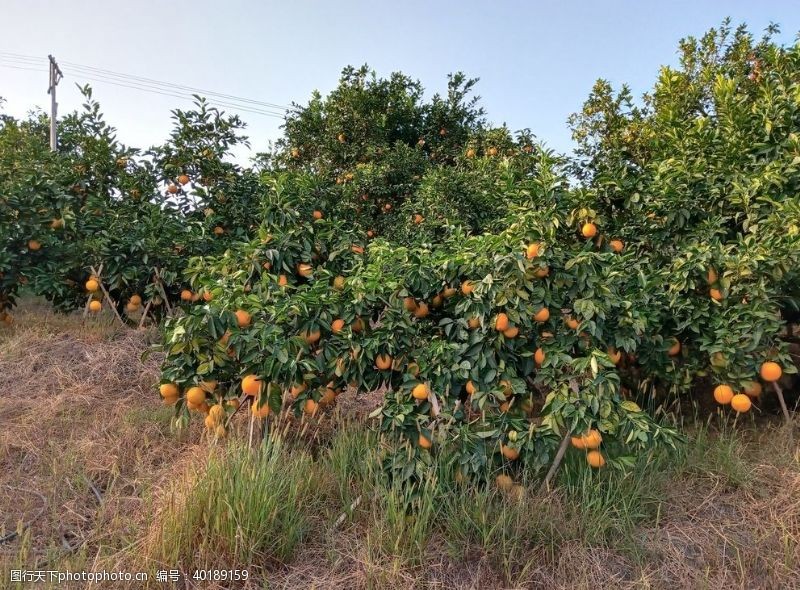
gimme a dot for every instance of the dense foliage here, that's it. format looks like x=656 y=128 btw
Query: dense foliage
x=501 y=295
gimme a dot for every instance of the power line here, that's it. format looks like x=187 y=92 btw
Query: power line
x=22 y=68
x=174 y=95
x=149 y=81
x=152 y=89
x=166 y=90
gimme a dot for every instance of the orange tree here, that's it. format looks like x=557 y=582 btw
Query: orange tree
x=97 y=204
x=494 y=335
x=502 y=308
x=703 y=176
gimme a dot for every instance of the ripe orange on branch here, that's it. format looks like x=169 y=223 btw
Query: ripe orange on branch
x=589 y=230
x=251 y=385
x=771 y=371
x=420 y=391
x=723 y=394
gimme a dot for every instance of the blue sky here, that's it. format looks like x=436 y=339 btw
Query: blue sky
x=536 y=60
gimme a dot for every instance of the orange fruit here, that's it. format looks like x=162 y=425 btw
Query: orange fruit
x=614 y=355
x=723 y=394
x=741 y=403
x=470 y=387
x=258 y=410
x=571 y=322
x=34 y=245
x=467 y=287
x=310 y=407
x=424 y=441
x=771 y=371
x=504 y=482
x=317 y=214
x=418 y=219
x=448 y=292
x=542 y=315
x=410 y=304
x=92 y=285
x=338 y=283
x=183 y=179
x=136 y=299
x=282 y=280
x=243 y=318
x=251 y=385
x=195 y=395
x=422 y=310
x=675 y=349
x=589 y=230
x=168 y=390
x=305 y=270
x=592 y=439
x=437 y=301
x=57 y=224
x=186 y=295
x=95 y=306
x=473 y=322
x=207 y=296
x=715 y=294
x=170 y=401
x=501 y=322
x=542 y=272
x=216 y=413
x=511 y=332
x=470 y=153
x=329 y=396
x=492 y=151
x=357 y=249
x=538 y=357
x=172 y=189
x=712 y=275
x=311 y=337
x=617 y=245
x=532 y=251
x=357 y=325
x=337 y=325
x=420 y=391
x=508 y=452
x=383 y=362
x=577 y=442
x=595 y=459
x=297 y=389
x=412 y=369
x=753 y=389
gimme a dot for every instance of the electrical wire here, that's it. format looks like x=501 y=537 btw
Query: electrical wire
x=105 y=73
x=142 y=87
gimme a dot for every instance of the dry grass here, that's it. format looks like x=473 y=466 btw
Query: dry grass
x=83 y=427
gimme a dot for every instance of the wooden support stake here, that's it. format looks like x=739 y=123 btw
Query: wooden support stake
x=785 y=409
x=562 y=448
x=108 y=298
x=144 y=314
x=160 y=284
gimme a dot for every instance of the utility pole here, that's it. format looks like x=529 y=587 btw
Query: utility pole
x=55 y=78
